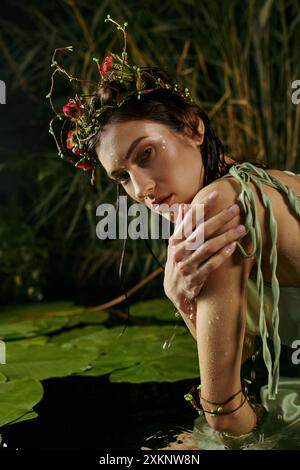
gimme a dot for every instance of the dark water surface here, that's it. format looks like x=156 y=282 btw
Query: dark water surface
x=81 y=413
x=91 y=413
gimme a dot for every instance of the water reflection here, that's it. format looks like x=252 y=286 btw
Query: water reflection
x=280 y=430
x=177 y=438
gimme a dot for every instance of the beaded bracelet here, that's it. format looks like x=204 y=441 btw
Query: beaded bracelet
x=219 y=411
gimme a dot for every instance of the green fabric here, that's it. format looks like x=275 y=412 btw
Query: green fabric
x=289 y=312
x=247 y=173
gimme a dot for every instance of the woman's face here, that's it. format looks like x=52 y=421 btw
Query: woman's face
x=152 y=161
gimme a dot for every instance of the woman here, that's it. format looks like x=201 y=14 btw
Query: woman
x=151 y=139
x=156 y=168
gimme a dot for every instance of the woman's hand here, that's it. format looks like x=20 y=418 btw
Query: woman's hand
x=186 y=270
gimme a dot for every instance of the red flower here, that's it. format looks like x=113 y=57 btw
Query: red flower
x=76 y=151
x=71 y=140
x=72 y=143
x=84 y=165
x=106 y=65
x=74 y=109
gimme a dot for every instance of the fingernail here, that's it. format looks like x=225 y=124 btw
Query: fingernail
x=230 y=248
x=241 y=229
x=233 y=209
x=212 y=195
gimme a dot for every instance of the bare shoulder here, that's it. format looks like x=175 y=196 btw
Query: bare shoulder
x=228 y=193
x=288 y=248
x=228 y=190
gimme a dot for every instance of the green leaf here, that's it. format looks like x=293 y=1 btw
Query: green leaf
x=25 y=417
x=43 y=362
x=134 y=356
x=88 y=318
x=167 y=369
x=160 y=309
x=19 y=321
x=178 y=362
x=2 y=378
x=17 y=399
x=74 y=335
x=18 y=311
x=28 y=328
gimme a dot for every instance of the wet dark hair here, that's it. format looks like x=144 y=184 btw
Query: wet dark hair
x=164 y=107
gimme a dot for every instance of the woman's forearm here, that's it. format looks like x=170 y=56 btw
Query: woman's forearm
x=188 y=313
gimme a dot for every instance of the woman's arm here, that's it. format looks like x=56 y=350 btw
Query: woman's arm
x=221 y=319
x=186 y=270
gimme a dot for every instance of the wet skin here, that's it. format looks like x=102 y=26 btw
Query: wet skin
x=149 y=158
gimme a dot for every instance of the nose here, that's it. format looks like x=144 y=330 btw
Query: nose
x=142 y=185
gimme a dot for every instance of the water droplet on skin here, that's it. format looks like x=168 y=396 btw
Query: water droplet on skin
x=217 y=318
x=209 y=322
x=191 y=316
x=163 y=144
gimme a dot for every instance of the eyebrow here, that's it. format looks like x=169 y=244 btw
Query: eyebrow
x=129 y=152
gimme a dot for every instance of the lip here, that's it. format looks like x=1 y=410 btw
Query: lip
x=161 y=200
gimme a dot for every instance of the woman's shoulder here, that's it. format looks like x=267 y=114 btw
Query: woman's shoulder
x=229 y=186
x=228 y=190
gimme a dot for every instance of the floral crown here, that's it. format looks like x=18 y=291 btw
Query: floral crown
x=83 y=114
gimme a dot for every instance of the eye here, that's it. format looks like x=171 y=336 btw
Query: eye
x=123 y=179
x=145 y=154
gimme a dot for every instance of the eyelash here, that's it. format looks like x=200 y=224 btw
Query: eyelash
x=119 y=179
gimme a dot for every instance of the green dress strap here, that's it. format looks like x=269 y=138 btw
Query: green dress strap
x=247 y=173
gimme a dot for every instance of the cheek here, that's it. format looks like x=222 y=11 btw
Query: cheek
x=129 y=191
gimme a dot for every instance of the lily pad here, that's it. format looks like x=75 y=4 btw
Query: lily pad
x=136 y=348
x=2 y=378
x=23 y=321
x=28 y=328
x=101 y=340
x=43 y=362
x=25 y=417
x=22 y=311
x=179 y=361
x=89 y=318
x=68 y=337
x=160 y=309
x=17 y=399
x=33 y=341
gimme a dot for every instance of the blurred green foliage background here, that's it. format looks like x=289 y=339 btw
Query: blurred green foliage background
x=239 y=59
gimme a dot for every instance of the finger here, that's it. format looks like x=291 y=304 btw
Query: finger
x=211 y=228
x=193 y=215
x=179 y=216
x=211 y=247
x=193 y=218
x=180 y=230
x=212 y=264
x=208 y=204
x=217 y=224
x=178 y=233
